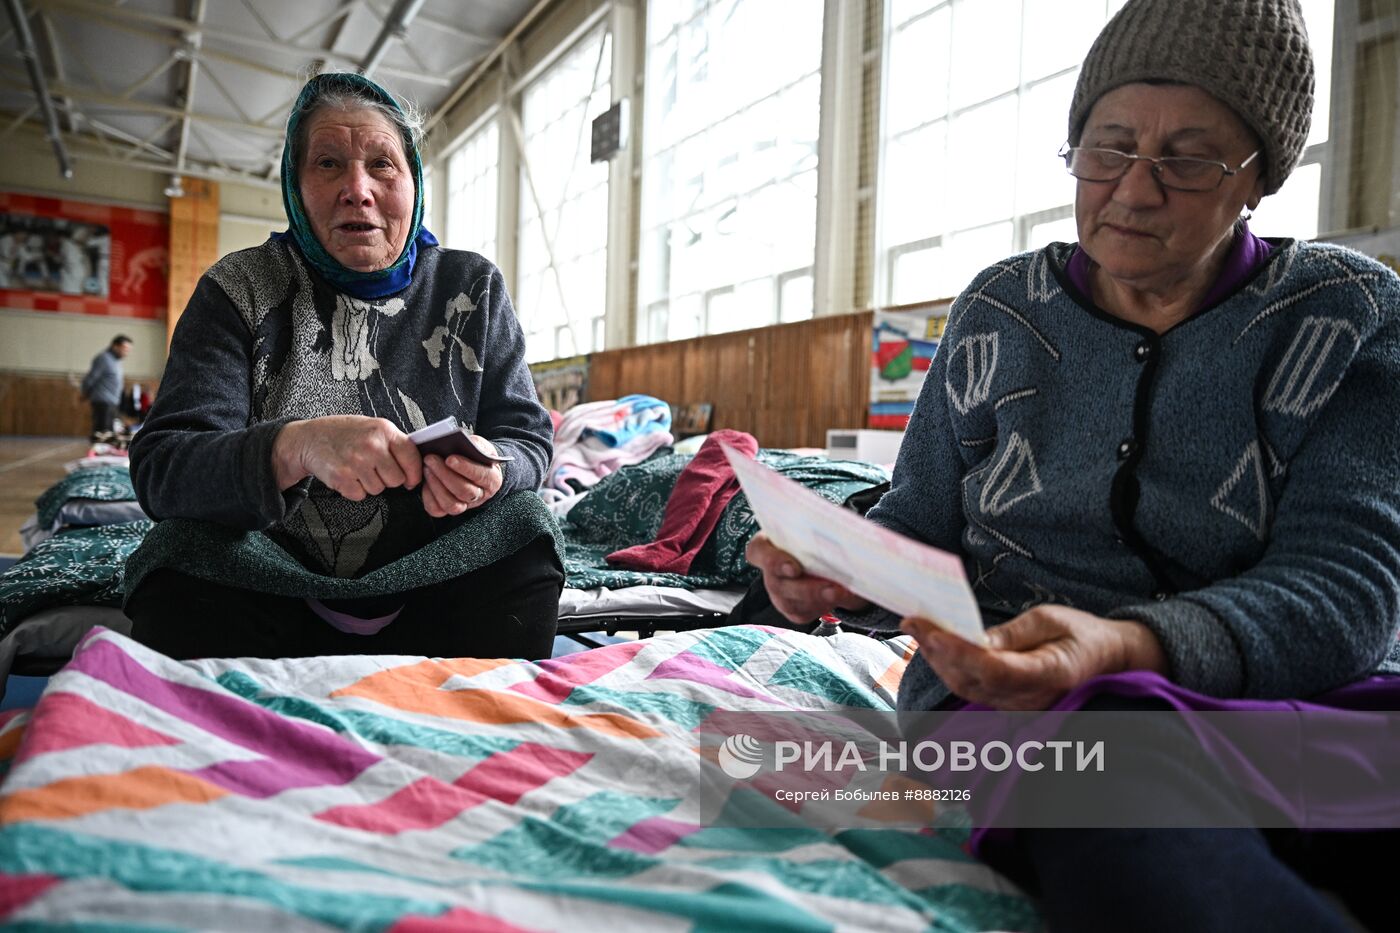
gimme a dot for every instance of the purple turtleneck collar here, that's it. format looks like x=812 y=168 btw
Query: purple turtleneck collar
x=1247 y=253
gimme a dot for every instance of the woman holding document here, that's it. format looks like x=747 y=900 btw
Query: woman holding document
x=298 y=513
x=1167 y=456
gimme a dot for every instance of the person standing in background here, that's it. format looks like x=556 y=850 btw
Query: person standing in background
x=102 y=386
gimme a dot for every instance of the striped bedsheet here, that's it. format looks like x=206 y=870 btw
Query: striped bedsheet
x=406 y=794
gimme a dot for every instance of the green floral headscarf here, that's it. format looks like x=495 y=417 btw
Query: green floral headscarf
x=375 y=284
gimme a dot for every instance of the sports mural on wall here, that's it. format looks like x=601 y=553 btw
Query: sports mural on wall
x=83 y=258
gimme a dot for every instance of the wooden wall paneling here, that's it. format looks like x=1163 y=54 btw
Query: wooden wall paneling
x=42 y=404
x=788 y=392
x=194 y=243
x=739 y=367
x=840 y=377
x=664 y=377
x=633 y=375
x=46 y=404
x=699 y=361
x=785 y=384
x=603 y=375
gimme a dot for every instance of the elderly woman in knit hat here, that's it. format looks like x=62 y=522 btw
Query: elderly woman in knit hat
x=295 y=515
x=1168 y=457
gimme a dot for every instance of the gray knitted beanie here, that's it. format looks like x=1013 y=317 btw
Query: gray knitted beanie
x=1252 y=55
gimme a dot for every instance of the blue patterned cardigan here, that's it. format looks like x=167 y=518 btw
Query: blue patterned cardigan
x=1233 y=484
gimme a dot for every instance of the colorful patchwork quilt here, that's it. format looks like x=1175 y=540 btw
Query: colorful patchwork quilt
x=408 y=794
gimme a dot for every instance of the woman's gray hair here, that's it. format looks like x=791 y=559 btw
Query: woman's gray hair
x=346 y=98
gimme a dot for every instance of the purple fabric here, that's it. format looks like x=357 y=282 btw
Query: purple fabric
x=1379 y=692
x=653 y=834
x=1247 y=253
x=291 y=754
x=351 y=625
x=688 y=666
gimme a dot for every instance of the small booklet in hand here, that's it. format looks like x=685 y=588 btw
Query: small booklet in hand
x=445 y=438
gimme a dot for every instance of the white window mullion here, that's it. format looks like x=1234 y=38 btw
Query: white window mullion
x=732 y=166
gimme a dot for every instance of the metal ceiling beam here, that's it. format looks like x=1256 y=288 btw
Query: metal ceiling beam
x=395 y=27
x=192 y=170
x=129 y=16
x=19 y=120
x=227 y=95
x=86 y=148
x=164 y=37
x=30 y=54
x=102 y=99
x=103 y=127
x=442 y=25
x=336 y=19
x=257 y=17
x=209 y=147
x=470 y=81
x=151 y=137
x=191 y=76
x=130 y=90
x=56 y=63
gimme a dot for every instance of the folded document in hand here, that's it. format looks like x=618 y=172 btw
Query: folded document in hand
x=899 y=573
x=446 y=438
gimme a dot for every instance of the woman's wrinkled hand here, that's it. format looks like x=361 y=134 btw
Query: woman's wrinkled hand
x=799 y=597
x=355 y=455
x=1036 y=658
x=455 y=485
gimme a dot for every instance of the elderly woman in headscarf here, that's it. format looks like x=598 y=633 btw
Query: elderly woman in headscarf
x=1168 y=457
x=295 y=516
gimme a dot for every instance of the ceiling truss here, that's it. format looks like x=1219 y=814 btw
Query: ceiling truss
x=81 y=112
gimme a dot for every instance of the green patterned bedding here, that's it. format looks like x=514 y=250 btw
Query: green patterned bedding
x=83 y=566
x=626 y=508
x=102 y=484
x=86 y=566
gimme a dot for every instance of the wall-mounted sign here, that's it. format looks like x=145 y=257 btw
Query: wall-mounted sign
x=81 y=258
x=903 y=341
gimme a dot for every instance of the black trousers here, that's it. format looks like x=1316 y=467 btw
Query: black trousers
x=506 y=610
x=103 y=414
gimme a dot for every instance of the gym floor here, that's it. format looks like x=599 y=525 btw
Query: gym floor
x=28 y=466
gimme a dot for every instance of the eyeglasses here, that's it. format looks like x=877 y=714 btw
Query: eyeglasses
x=1181 y=173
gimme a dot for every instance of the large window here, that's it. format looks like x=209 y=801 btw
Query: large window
x=1295 y=210
x=472 y=192
x=977 y=96
x=561 y=283
x=729 y=180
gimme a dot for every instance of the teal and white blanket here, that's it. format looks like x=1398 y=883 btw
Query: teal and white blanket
x=95 y=484
x=82 y=566
x=407 y=794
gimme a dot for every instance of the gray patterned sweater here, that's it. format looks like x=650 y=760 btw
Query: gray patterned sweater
x=264 y=341
x=1234 y=483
